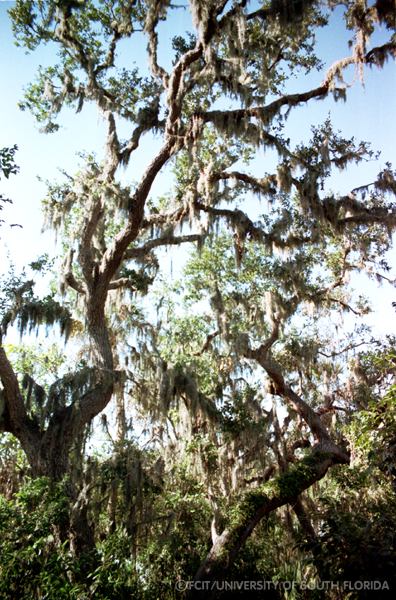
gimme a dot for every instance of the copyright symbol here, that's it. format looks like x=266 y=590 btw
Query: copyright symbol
x=181 y=585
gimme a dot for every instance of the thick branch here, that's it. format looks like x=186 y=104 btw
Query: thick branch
x=303 y=409
x=237 y=218
x=264 y=113
x=122 y=282
x=207 y=343
x=166 y=240
x=382 y=216
x=109 y=59
x=15 y=418
x=175 y=88
x=115 y=254
x=13 y=396
x=86 y=253
x=255 y=505
x=68 y=275
x=152 y=19
x=112 y=148
x=267 y=185
x=133 y=143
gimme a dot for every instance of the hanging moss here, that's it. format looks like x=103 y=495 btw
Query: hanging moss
x=69 y=389
x=32 y=313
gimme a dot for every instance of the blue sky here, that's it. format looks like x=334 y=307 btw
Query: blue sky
x=368 y=114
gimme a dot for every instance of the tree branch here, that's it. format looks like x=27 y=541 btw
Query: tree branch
x=109 y=59
x=265 y=185
x=207 y=343
x=346 y=349
x=122 y=282
x=266 y=113
x=68 y=275
x=115 y=254
x=166 y=240
x=14 y=400
x=263 y=113
x=86 y=253
x=303 y=409
x=175 y=88
x=15 y=418
x=255 y=505
x=152 y=19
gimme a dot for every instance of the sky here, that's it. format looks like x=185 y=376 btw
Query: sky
x=368 y=114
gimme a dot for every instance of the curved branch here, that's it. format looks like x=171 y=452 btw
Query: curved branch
x=267 y=185
x=166 y=240
x=109 y=59
x=175 y=88
x=115 y=254
x=68 y=275
x=254 y=506
x=15 y=418
x=264 y=113
x=311 y=418
x=122 y=282
x=152 y=19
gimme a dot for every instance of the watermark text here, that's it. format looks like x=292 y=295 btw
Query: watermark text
x=264 y=585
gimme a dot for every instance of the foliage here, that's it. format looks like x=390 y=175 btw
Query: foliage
x=7 y=168
x=13 y=465
x=33 y=564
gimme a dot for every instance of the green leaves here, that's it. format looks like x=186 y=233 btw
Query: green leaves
x=7 y=168
x=33 y=562
x=7 y=161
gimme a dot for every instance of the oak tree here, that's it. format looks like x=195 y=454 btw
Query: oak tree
x=275 y=246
